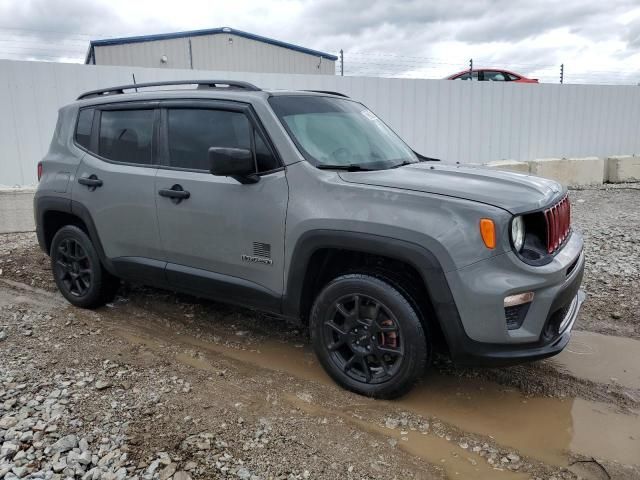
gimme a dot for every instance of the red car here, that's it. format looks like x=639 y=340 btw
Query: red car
x=491 y=75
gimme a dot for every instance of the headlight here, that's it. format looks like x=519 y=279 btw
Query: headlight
x=517 y=233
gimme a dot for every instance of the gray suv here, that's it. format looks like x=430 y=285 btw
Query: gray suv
x=306 y=205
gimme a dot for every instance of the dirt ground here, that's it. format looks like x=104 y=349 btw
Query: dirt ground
x=159 y=385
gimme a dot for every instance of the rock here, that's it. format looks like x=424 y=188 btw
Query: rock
x=168 y=471
x=83 y=444
x=3 y=335
x=616 y=315
x=7 y=422
x=243 y=474
x=391 y=423
x=513 y=457
x=65 y=444
x=181 y=475
x=19 y=471
x=85 y=458
x=102 y=385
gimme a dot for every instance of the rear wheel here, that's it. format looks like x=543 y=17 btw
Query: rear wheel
x=77 y=270
x=368 y=336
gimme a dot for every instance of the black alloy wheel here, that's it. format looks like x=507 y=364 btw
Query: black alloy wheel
x=364 y=339
x=77 y=270
x=73 y=267
x=368 y=335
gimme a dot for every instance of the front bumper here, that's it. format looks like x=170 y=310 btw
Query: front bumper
x=475 y=327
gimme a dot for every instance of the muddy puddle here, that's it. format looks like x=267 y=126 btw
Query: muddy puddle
x=543 y=429
x=602 y=358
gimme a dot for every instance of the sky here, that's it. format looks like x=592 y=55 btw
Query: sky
x=597 y=41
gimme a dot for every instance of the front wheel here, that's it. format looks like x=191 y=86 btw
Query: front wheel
x=368 y=336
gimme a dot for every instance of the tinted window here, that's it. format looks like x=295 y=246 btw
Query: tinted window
x=83 y=128
x=512 y=76
x=493 y=76
x=125 y=135
x=192 y=132
x=465 y=76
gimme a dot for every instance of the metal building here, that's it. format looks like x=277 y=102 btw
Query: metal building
x=222 y=49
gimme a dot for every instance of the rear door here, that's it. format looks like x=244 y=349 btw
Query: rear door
x=226 y=239
x=115 y=181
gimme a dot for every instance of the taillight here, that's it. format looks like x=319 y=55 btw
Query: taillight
x=39 y=170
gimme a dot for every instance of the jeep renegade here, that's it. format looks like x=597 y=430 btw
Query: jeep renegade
x=306 y=205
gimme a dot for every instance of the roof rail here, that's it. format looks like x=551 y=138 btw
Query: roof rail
x=202 y=84
x=328 y=92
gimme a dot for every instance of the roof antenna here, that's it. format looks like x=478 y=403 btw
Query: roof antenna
x=134 y=80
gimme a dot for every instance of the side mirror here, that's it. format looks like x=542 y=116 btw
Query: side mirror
x=236 y=163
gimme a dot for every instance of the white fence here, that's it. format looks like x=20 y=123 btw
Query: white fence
x=466 y=122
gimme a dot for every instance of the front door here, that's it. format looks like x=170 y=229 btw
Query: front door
x=221 y=238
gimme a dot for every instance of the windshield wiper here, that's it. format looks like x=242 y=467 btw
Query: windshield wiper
x=403 y=163
x=351 y=167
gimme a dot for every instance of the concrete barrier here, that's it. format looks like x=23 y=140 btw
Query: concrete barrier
x=16 y=210
x=570 y=171
x=510 y=166
x=622 y=169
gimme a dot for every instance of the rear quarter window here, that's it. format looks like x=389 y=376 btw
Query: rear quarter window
x=84 y=126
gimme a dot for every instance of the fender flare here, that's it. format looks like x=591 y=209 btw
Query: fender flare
x=46 y=204
x=419 y=257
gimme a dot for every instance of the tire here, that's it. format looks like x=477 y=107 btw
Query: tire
x=368 y=336
x=77 y=270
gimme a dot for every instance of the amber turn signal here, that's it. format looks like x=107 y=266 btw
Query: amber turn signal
x=488 y=232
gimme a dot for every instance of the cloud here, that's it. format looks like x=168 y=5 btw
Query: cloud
x=411 y=38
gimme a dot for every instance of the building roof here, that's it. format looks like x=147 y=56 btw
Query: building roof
x=196 y=33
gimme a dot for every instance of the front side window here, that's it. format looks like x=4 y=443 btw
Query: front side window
x=83 y=127
x=191 y=132
x=126 y=135
x=340 y=132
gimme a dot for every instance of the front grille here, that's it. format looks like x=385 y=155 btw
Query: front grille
x=558 y=219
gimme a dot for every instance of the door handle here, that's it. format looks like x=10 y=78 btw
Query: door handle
x=175 y=193
x=91 y=181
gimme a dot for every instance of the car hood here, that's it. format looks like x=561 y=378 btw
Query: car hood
x=514 y=192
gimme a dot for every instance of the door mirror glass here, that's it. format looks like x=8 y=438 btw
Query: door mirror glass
x=237 y=163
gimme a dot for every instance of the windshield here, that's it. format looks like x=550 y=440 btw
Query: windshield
x=341 y=133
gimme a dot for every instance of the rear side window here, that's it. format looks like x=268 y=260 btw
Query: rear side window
x=126 y=136
x=191 y=132
x=83 y=127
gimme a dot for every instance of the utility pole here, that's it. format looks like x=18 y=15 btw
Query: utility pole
x=341 y=63
x=471 y=69
x=561 y=73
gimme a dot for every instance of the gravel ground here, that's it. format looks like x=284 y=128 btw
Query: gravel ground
x=609 y=219
x=164 y=386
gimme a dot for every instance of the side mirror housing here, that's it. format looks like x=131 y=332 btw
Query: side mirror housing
x=236 y=163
